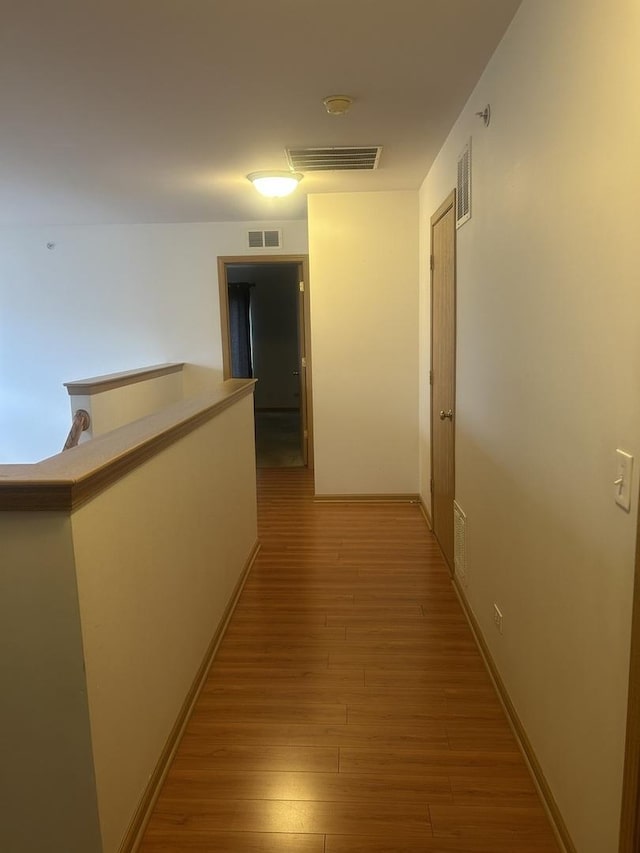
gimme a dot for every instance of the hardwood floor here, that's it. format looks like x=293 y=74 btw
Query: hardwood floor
x=348 y=709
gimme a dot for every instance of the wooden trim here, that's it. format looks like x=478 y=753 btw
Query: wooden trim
x=548 y=800
x=391 y=498
x=308 y=371
x=223 y=297
x=445 y=207
x=261 y=259
x=133 y=836
x=425 y=512
x=70 y=479
x=99 y=384
x=630 y=813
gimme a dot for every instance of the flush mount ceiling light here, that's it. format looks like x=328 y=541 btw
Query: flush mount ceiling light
x=275 y=184
x=337 y=105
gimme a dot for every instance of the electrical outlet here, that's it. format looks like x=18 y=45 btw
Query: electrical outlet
x=497 y=617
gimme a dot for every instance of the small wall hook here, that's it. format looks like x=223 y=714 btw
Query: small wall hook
x=51 y=246
x=485 y=115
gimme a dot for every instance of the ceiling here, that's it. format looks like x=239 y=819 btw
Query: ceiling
x=125 y=111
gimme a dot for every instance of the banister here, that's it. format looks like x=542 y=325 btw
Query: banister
x=81 y=422
x=68 y=480
x=99 y=384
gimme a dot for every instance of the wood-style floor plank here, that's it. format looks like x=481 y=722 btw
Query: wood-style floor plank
x=213 y=841
x=200 y=783
x=381 y=817
x=348 y=709
x=403 y=844
x=225 y=755
x=205 y=734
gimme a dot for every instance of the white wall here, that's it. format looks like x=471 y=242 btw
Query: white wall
x=548 y=375
x=363 y=254
x=105 y=299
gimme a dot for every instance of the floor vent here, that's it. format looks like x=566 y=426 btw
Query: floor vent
x=460 y=543
x=463 y=188
x=271 y=239
x=334 y=159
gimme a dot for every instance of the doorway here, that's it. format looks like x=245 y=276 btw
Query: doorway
x=443 y=371
x=265 y=333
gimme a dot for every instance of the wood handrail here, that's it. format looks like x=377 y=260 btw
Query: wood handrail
x=81 y=422
x=68 y=480
x=99 y=384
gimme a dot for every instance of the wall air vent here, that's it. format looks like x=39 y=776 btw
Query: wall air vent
x=463 y=189
x=334 y=159
x=460 y=543
x=271 y=239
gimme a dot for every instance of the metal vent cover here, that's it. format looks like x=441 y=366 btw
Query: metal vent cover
x=336 y=159
x=463 y=188
x=268 y=239
x=460 y=543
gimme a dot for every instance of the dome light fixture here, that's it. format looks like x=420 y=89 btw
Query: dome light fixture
x=275 y=184
x=337 y=105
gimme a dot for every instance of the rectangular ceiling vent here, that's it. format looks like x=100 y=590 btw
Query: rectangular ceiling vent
x=336 y=159
x=271 y=239
x=463 y=188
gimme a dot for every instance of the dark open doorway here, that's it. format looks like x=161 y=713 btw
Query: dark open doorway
x=264 y=320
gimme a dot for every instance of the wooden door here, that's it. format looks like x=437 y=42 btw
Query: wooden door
x=443 y=357
x=630 y=820
x=302 y=368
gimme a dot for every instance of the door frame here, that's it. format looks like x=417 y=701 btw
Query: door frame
x=302 y=261
x=445 y=207
x=630 y=814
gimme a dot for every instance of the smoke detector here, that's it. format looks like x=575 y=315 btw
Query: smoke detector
x=337 y=105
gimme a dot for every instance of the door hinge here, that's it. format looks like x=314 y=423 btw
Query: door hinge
x=301 y=285
x=431 y=377
x=432 y=262
x=303 y=361
x=431 y=484
x=306 y=433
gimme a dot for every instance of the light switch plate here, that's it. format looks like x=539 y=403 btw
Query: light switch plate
x=624 y=479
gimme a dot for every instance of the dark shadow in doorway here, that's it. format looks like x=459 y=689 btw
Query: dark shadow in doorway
x=278 y=439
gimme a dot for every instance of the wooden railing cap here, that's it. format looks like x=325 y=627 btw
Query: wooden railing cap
x=67 y=480
x=99 y=384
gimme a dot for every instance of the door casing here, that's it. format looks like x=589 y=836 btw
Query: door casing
x=304 y=330
x=442 y=375
x=630 y=817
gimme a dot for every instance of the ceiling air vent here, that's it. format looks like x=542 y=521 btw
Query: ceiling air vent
x=271 y=239
x=463 y=190
x=334 y=159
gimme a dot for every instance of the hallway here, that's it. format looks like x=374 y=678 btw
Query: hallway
x=348 y=709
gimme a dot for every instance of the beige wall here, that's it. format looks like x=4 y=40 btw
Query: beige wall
x=47 y=787
x=105 y=618
x=364 y=337
x=548 y=379
x=119 y=406
x=158 y=556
